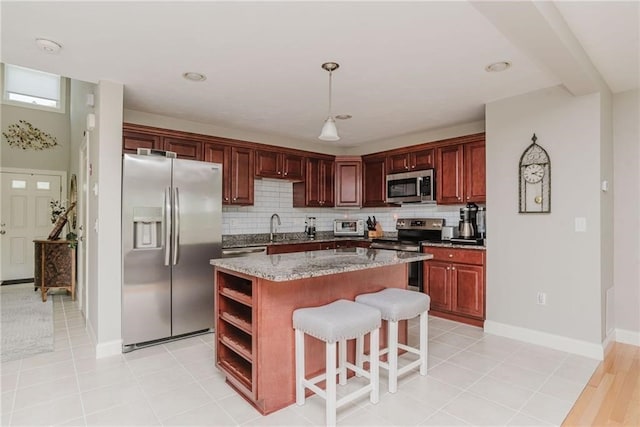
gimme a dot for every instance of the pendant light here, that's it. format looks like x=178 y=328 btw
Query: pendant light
x=329 y=131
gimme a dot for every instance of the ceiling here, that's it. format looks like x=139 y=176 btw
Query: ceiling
x=405 y=67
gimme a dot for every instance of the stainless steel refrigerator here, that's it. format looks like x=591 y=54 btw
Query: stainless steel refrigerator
x=171 y=228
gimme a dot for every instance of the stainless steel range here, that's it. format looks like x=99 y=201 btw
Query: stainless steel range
x=411 y=232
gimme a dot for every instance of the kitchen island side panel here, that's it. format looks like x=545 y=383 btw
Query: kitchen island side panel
x=276 y=302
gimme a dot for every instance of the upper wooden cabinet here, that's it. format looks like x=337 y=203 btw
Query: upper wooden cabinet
x=411 y=161
x=318 y=188
x=219 y=153
x=184 y=148
x=131 y=141
x=273 y=164
x=374 y=175
x=348 y=182
x=461 y=172
x=242 y=163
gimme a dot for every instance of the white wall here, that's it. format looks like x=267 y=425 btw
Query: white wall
x=626 y=192
x=105 y=268
x=531 y=253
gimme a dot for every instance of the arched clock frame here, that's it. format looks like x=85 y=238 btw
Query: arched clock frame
x=535 y=180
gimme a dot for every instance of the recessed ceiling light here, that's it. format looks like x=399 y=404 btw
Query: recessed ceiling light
x=48 y=46
x=194 y=77
x=343 y=116
x=496 y=67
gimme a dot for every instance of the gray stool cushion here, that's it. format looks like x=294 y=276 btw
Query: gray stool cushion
x=396 y=304
x=338 y=320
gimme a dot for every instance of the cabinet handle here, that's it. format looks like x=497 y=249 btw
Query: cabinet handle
x=453 y=268
x=226 y=199
x=286 y=173
x=279 y=172
x=413 y=166
x=235 y=198
x=468 y=197
x=450 y=255
x=448 y=268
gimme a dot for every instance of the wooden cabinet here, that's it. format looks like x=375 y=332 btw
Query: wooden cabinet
x=455 y=281
x=318 y=188
x=374 y=175
x=55 y=266
x=348 y=182
x=475 y=177
x=460 y=172
x=411 y=161
x=241 y=181
x=184 y=148
x=273 y=164
x=235 y=332
x=449 y=174
x=131 y=141
x=219 y=153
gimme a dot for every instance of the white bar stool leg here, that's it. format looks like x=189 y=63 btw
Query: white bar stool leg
x=374 y=365
x=360 y=353
x=392 y=343
x=342 y=362
x=330 y=382
x=424 y=343
x=299 y=343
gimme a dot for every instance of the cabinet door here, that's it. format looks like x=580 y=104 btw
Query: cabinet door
x=374 y=176
x=293 y=247
x=312 y=183
x=184 y=148
x=292 y=166
x=468 y=290
x=397 y=163
x=449 y=173
x=242 y=176
x=475 y=172
x=268 y=164
x=348 y=183
x=437 y=284
x=421 y=160
x=216 y=153
x=327 y=179
x=131 y=141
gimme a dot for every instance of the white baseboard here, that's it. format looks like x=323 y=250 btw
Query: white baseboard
x=628 y=337
x=557 y=342
x=109 y=348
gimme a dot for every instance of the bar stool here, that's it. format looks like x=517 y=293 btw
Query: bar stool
x=334 y=323
x=395 y=305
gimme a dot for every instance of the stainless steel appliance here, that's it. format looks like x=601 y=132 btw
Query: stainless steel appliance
x=411 y=232
x=468 y=226
x=348 y=227
x=449 y=232
x=481 y=221
x=411 y=187
x=310 y=227
x=171 y=228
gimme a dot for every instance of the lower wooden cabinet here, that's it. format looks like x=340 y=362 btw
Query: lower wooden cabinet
x=455 y=281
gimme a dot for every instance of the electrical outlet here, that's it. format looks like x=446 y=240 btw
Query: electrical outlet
x=542 y=298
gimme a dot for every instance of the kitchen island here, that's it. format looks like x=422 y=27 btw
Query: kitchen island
x=255 y=300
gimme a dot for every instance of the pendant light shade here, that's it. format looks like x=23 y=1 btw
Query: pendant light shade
x=329 y=131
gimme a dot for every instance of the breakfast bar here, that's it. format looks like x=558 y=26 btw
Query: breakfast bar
x=254 y=301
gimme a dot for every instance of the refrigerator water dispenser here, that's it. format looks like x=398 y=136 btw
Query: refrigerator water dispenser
x=147 y=223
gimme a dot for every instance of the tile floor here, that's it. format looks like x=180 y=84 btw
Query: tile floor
x=473 y=379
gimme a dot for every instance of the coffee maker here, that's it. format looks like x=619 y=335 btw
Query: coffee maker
x=468 y=227
x=310 y=227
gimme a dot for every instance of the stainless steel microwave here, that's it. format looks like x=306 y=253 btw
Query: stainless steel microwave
x=411 y=187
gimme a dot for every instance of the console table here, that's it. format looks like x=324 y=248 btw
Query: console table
x=55 y=266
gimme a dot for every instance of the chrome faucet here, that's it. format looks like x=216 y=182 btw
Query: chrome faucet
x=271 y=226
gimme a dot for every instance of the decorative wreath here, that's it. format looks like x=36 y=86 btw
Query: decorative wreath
x=24 y=135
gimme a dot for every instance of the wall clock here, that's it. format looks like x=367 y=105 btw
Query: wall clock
x=535 y=180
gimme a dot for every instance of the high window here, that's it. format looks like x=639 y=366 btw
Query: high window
x=25 y=87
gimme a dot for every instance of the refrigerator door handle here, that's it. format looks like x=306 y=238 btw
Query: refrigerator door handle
x=167 y=226
x=176 y=228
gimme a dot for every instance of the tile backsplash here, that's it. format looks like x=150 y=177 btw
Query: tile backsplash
x=276 y=196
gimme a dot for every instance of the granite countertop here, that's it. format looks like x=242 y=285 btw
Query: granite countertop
x=302 y=265
x=248 y=240
x=454 y=245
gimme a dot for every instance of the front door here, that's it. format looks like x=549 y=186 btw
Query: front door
x=25 y=216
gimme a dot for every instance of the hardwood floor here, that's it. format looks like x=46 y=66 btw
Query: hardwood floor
x=612 y=395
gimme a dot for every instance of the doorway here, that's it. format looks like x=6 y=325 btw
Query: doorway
x=25 y=216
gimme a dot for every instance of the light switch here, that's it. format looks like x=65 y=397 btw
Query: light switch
x=581 y=224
